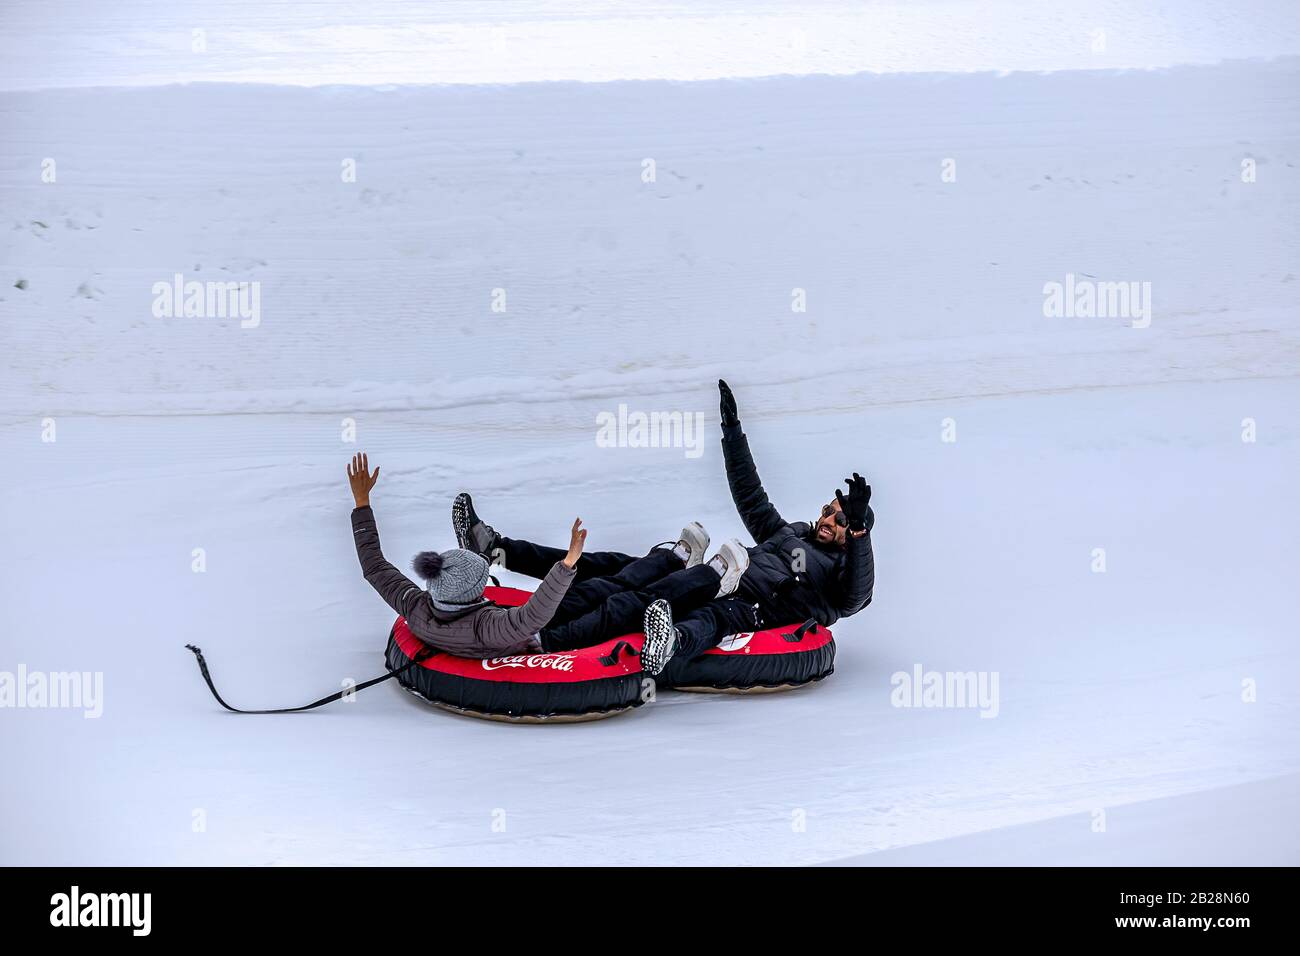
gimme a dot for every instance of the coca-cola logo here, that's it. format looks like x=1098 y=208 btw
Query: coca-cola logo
x=554 y=662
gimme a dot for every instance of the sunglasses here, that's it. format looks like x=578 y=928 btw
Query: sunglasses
x=841 y=518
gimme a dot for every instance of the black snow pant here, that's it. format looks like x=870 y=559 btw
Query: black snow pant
x=611 y=591
x=707 y=625
x=535 y=560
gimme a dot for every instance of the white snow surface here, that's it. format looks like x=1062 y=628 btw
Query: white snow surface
x=78 y=43
x=924 y=304
x=1231 y=826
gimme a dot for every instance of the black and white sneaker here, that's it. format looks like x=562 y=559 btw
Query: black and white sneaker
x=661 y=638
x=472 y=533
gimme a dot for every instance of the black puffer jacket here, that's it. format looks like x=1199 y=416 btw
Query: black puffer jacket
x=791 y=576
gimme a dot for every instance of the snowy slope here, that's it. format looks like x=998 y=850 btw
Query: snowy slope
x=79 y=43
x=924 y=304
x=827 y=185
x=1228 y=826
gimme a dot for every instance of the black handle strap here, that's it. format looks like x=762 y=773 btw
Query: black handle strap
x=610 y=659
x=423 y=655
x=795 y=636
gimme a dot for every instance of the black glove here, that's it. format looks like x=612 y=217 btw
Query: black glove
x=855 y=505
x=728 y=407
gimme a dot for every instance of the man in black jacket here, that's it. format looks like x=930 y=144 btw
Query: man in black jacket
x=823 y=570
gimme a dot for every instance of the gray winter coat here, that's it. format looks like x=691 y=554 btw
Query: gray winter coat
x=481 y=630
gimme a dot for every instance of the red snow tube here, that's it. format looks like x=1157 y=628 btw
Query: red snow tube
x=606 y=679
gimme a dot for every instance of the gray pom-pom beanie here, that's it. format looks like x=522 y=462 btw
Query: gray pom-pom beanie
x=456 y=578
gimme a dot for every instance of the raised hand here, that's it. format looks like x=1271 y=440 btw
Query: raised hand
x=855 y=505
x=728 y=405
x=577 y=538
x=361 y=480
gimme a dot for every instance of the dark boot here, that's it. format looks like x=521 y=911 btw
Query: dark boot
x=472 y=533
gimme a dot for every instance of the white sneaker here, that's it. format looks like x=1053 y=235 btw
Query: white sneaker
x=692 y=544
x=731 y=561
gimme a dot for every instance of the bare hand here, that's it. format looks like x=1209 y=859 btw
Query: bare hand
x=577 y=538
x=361 y=480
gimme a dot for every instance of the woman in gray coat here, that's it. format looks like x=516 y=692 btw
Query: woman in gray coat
x=452 y=614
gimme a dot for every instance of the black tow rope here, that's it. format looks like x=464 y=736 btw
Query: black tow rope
x=424 y=654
